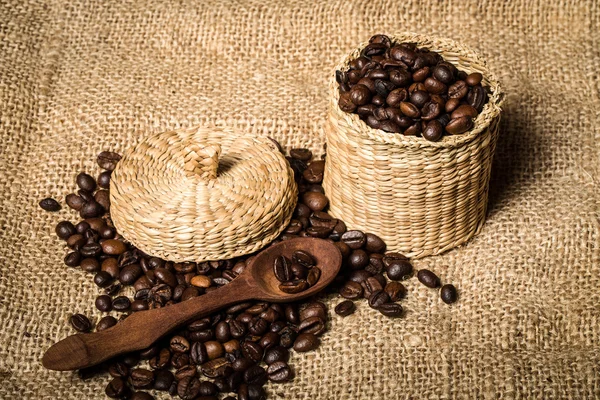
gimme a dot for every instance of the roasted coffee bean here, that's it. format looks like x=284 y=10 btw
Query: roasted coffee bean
x=279 y=371
x=161 y=360
x=201 y=281
x=433 y=131
x=313 y=276
x=121 y=303
x=198 y=354
x=378 y=298
x=113 y=247
x=371 y=285
x=269 y=340
x=301 y=154
x=419 y=98
x=338 y=231
x=130 y=274
x=294 y=227
x=119 y=370
x=91 y=209
x=287 y=337
x=389 y=258
x=163 y=379
x=396 y=96
x=448 y=294
x=141 y=396
x=360 y=94
x=354 y=239
x=303 y=258
x=103 y=279
x=428 y=278
x=252 y=350
x=314 y=309
x=104 y=303
x=165 y=276
x=85 y=195
x=216 y=368
x=149 y=352
x=80 y=323
x=358 y=259
x=314 y=325
x=179 y=360
x=82 y=227
x=86 y=182
x=474 y=79
x=49 y=204
x=295 y=286
x=282 y=268
x=477 y=98
x=255 y=375
x=413 y=130
x=318 y=231
x=65 y=229
x=306 y=342
x=188 y=388
x=275 y=354
x=443 y=74
x=74 y=201
x=459 y=125
x=91 y=250
x=345 y=308
x=72 y=259
x=105 y=323
x=242 y=364
x=116 y=389
x=291 y=314
x=430 y=110
x=102 y=197
x=108 y=160
x=314 y=173
x=395 y=290
x=458 y=90
x=421 y=74
x=409 y=109
x=139 y=305
x=107 y=232
x=187 y=371
x=208 y=389
x=315 y=201
x=104 y=179
x=398 y=270
x=258 y=326
x=351 y=290
x=142 y=378
x=179 y=344
x=222 y=332
x=391 y=310
x=128 y=258
x=451 y=105
x=299 y=271
x=434 y=86
x=464 y=111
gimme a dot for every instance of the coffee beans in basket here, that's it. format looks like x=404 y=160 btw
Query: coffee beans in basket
x=238 y=350
x=401 y=88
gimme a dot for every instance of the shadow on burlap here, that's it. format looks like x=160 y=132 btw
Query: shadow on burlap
x=77 y=78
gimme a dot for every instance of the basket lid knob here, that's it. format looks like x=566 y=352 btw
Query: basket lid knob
x=202 y=160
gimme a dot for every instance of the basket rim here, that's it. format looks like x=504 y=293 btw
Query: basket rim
x=490 y=111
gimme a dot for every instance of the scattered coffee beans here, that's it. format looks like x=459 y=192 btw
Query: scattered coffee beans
x=400 y=88
x=242 y=347
x=49 y=204
x=428 y=278
x=448 y=294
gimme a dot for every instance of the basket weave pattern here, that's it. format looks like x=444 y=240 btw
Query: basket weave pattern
x=201 y=194
x=421 y=197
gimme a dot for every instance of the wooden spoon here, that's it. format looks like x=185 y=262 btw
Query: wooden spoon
x=141 y=329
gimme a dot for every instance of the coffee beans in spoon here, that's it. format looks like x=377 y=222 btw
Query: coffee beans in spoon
x=401 y=88
x=239 y=349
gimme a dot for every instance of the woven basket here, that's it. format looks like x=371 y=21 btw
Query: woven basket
x=421 y=197
x=202 y=194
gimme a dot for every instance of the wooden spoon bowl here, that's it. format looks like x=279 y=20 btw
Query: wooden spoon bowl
x=141 y=329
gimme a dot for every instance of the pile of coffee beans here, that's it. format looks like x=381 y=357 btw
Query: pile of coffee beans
x=400 y=88
x=298 y=274
x=236 y=351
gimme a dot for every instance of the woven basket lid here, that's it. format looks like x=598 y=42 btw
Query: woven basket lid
x=202 y=194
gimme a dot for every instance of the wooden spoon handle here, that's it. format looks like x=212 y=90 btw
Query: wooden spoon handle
x=140 y=330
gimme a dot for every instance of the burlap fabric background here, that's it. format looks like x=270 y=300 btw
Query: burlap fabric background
x=77 y=77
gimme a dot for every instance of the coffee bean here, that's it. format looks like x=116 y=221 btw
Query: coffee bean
x=113 y=247
x=86 y=182
x=315 y=201
x=314 y=325
x=104 y=179
x=430 y=110
x=295 y=286
x=90 y=265
x=72 y=259
x=477 y=97
x=275 y=354
x=103 y=279
x=102 y=197
x=104 y=303
x=80 y=323
x=474 y=79
x=116 y=389
x=433 y=131
x=458 y=90
x=258 y=326
x=291 y=314
x=443 y=74
x=314 y=309
x=187 y=371
x=313 y=276
x=351 y=290
x=391 y=310
x=464 y=110
x=410 y=110
x=345 y=308
x=208 y=389
x=119 y=370
x=459 y=125
x=252 y=350
x=65 y=229
x=121 y=303
x=354 y=239
x=279 y=371
x=318 y=231
x=107 y=232
x=360 y=94
x=303 y=258
x=165 y=276
x=188 y=388
x=201 y=281
x=398 y=270
x=434 y=86
x=287 y=337
x=395 y=290
x=371 y=285
x=108 y=160
x=86 y=195
x=105 y=323
x=306 y=342
x=282 y=268
x=389 y=258
x=179 y=344
x=130 y=274
x=142 y=378
x=396 y=96
x=448 y=294
x=74 y=201
x=255 y=375
x=428 y=278
x=49 y=204
x=163 y=379
x=358 y=259
x=378 y=298
x=345 y=103
x=91 y=209
x=198 y=354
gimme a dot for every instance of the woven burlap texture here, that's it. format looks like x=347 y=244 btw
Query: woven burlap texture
x=79 y=77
